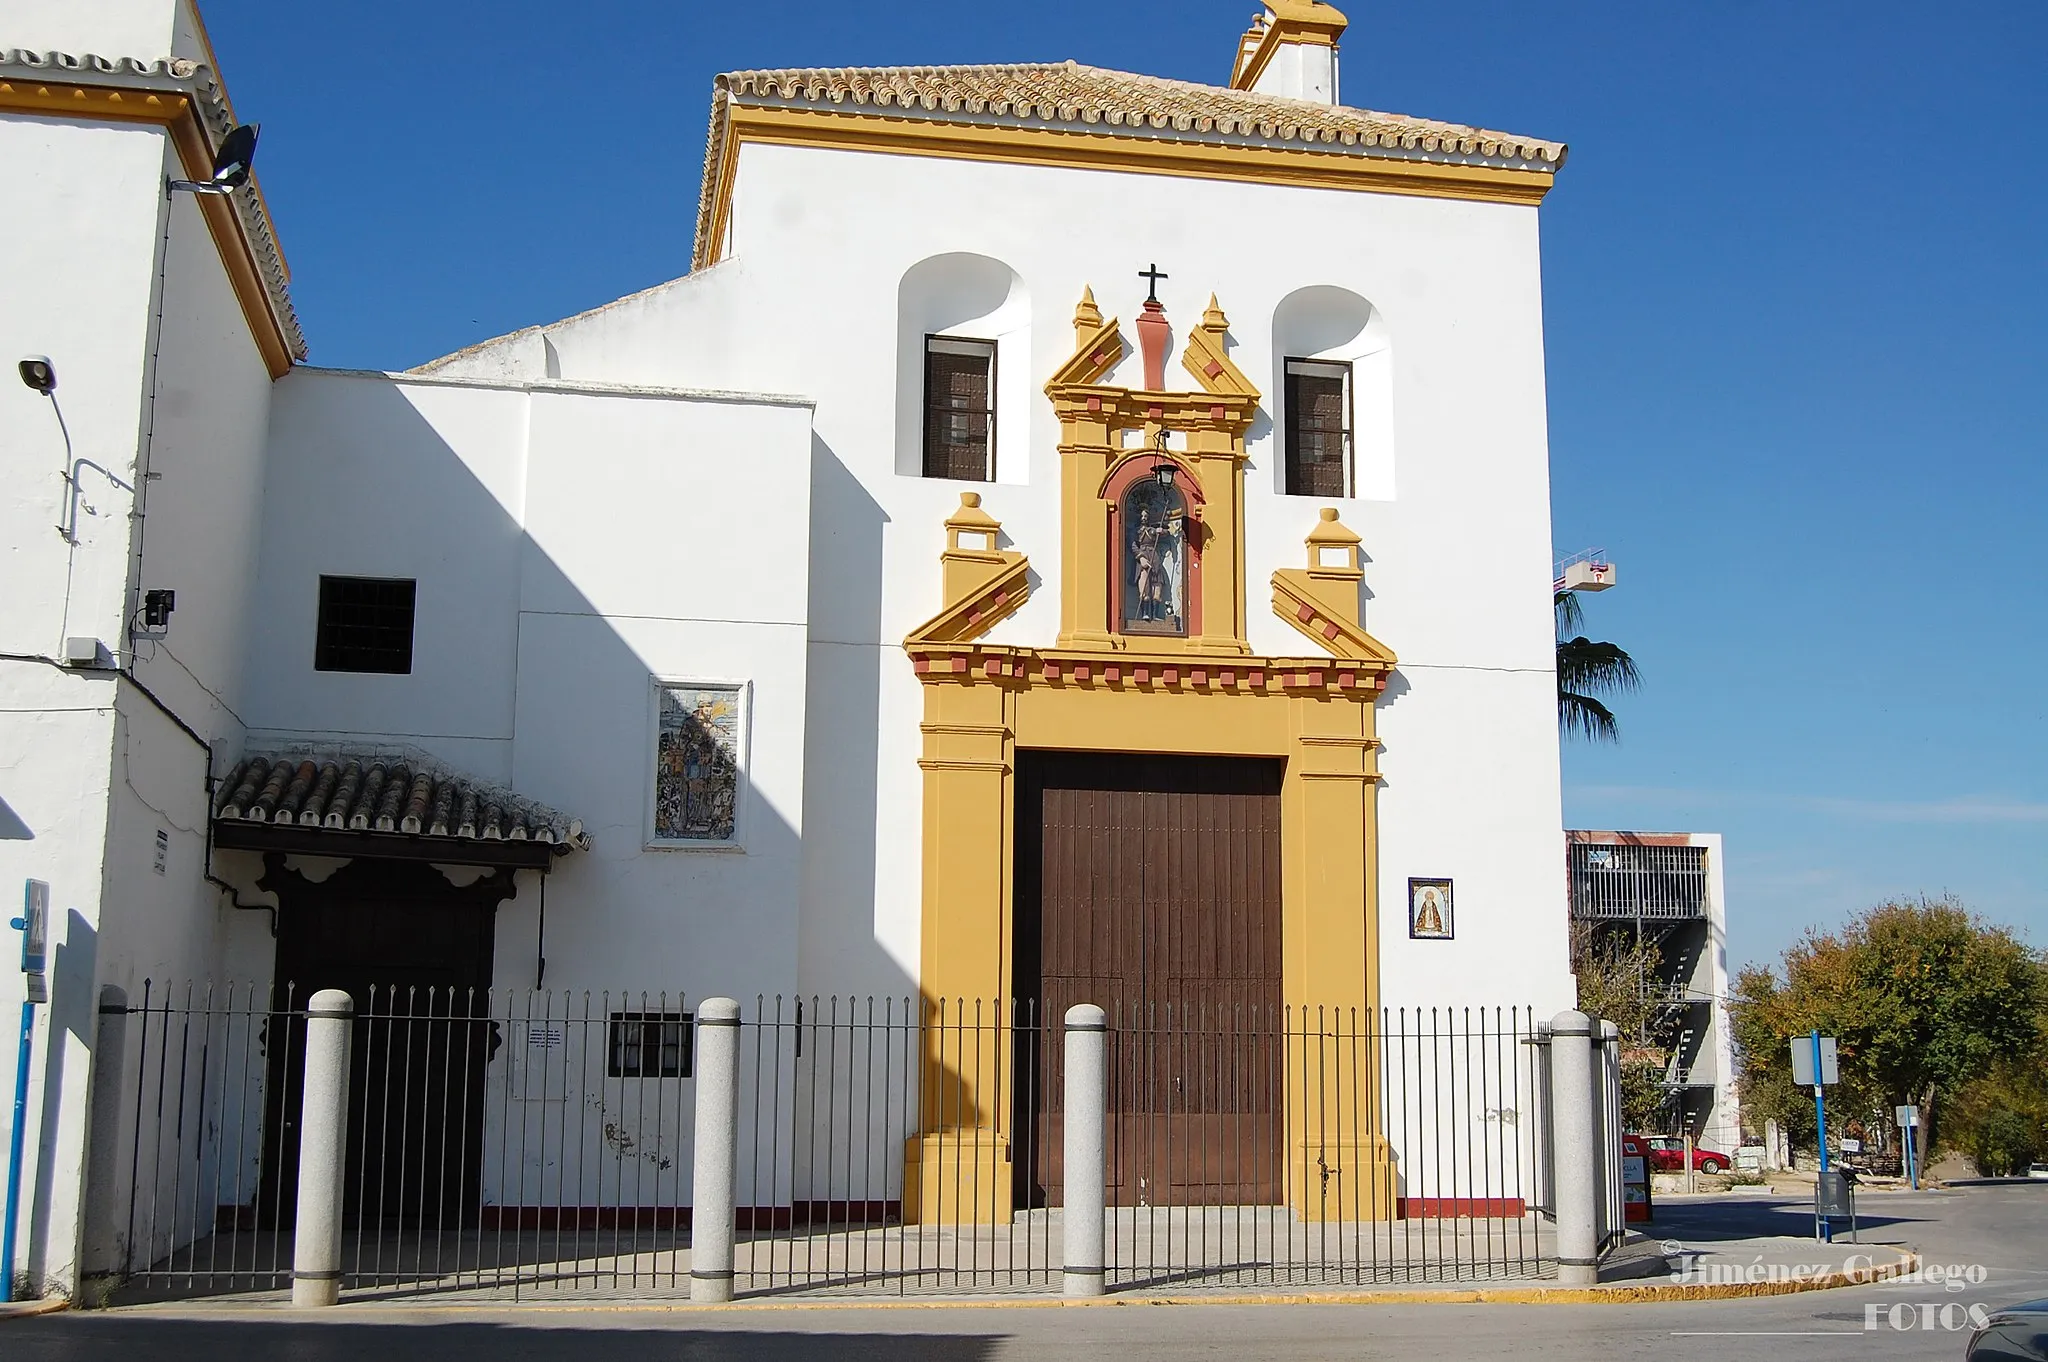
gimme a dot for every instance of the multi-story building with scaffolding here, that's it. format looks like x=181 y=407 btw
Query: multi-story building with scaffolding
x=1665 y=889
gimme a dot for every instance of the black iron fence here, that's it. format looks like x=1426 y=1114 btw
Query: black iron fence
x=533 y=1143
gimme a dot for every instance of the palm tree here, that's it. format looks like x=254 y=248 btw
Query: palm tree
x=1584 y=669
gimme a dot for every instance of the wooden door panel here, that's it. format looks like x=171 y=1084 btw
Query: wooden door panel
x=1150 y=886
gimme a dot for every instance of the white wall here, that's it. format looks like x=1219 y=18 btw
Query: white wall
x=98 y=768
x=571 y=545
x=1459 y=559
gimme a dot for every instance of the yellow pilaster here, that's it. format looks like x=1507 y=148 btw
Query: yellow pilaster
x=1340 y=1167
x=957 y=1169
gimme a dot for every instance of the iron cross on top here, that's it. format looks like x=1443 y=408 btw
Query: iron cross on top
x=1155 y=276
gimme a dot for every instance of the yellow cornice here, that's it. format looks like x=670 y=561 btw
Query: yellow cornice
x=1299 y=167
x=1142 y=668
x=175 y=113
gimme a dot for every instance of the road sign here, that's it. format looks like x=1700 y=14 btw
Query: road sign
x=1802 y=1062
x=34 y=926
x=1909 y=1117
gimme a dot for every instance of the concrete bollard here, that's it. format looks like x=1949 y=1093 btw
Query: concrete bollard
x=104 y=1250
x=1574 y=1132
x=1084 y=1166
x=718 y=1112
x=323 y=1146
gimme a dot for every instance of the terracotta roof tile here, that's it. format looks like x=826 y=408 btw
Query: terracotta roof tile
x=1106 y=101
x=1068 y=92
x=381 y=792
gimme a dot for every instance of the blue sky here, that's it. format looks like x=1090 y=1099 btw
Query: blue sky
x=1795 y=298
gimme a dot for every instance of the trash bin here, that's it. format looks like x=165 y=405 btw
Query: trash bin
x=1834 y=1198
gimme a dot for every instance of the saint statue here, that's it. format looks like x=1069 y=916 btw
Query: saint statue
x=1154 y=557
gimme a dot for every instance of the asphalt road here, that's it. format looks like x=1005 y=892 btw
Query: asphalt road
x=2002 y=1229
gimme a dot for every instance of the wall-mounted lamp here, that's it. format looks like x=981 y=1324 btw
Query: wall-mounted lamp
x=230 y=164
x=37 y=372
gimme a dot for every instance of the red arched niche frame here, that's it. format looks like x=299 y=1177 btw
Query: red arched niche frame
x=1137 y=466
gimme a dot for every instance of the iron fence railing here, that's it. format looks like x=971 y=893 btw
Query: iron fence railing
x=530 y=1143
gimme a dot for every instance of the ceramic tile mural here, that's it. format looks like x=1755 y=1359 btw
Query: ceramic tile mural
x=697 y=767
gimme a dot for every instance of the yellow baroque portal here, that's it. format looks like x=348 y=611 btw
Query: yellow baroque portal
x=1094 y=689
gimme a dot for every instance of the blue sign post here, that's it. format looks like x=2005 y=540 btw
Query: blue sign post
x=33 y=924
x=1814 y=1061
x=1820 y=1122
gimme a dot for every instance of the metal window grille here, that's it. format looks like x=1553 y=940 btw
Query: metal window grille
x=365 y=625
x=1621 y=880
x=649 y=1045
x=959 y=408
x=1318 y=428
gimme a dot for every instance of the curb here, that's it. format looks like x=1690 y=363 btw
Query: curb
x=1908 y=1262
x=29 y=1309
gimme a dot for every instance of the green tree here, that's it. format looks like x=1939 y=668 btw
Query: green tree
x=1617 y=981
x=1923 y=998
x=1585 y=671
x=2001 y=1117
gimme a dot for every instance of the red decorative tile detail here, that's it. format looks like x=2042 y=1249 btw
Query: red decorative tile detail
x=1171 y=676
x=1081 y=671
x=1141 y=675
x=992 y=667
x=1258 y=678
x=1330 y=629
x=1212 y=368
x=1112 y=673
x=1198 y=677
x=1095 y=403
x=1215 y=413
x=1305 y=614
x=1347 y=679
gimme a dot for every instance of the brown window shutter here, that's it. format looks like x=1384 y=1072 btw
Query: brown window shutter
x=959 y=414
x=1318 y=418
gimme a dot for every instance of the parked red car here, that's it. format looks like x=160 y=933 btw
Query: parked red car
x=1667 y=1155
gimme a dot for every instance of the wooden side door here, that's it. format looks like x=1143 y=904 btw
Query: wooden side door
x=414 y=953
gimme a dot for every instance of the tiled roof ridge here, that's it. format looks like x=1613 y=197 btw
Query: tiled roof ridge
x=199 y=80
x=383 y=788
x=1072 y=92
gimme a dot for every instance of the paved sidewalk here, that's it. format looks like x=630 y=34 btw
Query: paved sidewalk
x=1697 y=1248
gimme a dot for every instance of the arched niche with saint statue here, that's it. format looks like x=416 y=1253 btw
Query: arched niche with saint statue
x=1155 y=543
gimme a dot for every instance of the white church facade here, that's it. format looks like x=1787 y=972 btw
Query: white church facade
x=1050 y=495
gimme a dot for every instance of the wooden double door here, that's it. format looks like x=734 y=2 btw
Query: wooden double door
x=1150 y=886
x=414 y=953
